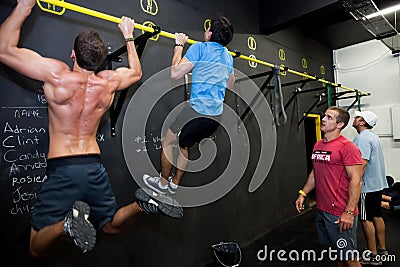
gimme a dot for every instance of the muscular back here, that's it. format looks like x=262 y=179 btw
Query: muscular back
x=76 y=103
x=78 y=98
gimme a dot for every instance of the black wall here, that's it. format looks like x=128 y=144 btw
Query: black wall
x=276 y=15
x=240 y=215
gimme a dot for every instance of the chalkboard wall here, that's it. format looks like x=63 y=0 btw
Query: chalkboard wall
x=239 y=215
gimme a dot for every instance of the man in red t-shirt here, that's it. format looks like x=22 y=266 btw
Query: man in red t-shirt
x=336 y=177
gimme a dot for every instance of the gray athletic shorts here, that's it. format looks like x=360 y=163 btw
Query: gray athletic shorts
x=344 y=243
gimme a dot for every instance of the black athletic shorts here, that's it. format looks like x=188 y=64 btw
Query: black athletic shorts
x=370 y=205
x=69 y=179
x=192 y=127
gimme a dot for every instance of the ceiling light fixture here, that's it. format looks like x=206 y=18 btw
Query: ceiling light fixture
x=383 y=12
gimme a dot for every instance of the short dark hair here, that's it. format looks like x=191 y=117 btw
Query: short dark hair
x=90 y=50
x=343 y=115
x=222 y=30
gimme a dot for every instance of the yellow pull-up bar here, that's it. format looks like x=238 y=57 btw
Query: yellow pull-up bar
x=104 y=16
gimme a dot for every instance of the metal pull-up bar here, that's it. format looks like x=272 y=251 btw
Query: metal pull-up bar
x=107 y=17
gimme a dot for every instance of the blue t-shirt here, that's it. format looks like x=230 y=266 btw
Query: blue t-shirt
x=374 y=178
x=212 y=67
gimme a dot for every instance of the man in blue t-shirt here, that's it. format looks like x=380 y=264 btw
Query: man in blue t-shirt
x=211 y=65
x=373 y=183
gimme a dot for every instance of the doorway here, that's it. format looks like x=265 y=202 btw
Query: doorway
x=312 y=124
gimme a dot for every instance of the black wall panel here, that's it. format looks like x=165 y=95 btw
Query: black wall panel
x=275 y=15
x=240 y=215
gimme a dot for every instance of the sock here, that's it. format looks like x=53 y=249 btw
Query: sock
x=162 y=186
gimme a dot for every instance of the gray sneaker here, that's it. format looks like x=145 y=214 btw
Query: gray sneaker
x=154 y=184
x=171 y=186
x=78 y=229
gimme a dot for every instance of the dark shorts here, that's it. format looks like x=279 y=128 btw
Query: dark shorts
x=370 y=205
x=192 y=127
x=344 y=243
x=74 y=178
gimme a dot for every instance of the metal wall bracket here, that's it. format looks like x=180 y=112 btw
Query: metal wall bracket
x=140 y=43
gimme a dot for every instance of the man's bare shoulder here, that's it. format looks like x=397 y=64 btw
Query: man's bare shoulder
x=111 y=78
x=57 y=70
x=106 y=74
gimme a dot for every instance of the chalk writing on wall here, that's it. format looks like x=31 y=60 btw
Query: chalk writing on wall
x=24 y=143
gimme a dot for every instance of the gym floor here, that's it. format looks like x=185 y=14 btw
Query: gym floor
x=299 y=234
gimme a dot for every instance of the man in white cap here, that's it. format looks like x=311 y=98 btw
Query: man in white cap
x=373 y=183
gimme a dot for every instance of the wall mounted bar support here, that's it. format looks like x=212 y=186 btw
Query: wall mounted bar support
x=140 y=43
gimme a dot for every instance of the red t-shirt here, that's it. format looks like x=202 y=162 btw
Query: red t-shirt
x=331 y=180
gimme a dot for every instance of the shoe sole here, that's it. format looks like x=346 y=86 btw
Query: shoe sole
x=171 y=192
x=152 y=187
x=166 y=204
x=84 y=234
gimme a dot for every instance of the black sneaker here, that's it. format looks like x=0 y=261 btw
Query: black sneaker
x=382 y=252
x=153 y=203
x=372 y=259
x=78 y=229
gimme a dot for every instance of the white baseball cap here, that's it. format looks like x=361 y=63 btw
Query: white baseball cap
x=368 y=116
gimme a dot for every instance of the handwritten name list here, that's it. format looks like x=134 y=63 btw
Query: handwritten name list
x=24 y=144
